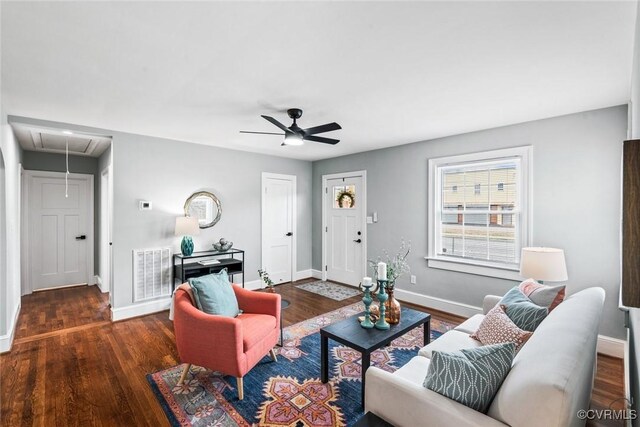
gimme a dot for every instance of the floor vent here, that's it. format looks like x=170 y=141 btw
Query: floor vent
x=151 y=273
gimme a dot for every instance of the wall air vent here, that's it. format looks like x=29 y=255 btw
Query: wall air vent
x=151 y=273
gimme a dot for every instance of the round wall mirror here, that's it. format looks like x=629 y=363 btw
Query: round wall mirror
x=205 y=206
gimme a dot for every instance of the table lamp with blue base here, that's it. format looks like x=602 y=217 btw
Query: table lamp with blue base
x=187 y=226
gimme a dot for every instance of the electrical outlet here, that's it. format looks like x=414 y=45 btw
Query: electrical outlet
x=413 y=279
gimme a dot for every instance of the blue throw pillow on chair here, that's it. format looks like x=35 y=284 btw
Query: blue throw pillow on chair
x=214 y=294
x=522 y=311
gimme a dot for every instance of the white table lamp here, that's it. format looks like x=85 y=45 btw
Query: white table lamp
x=543 y=264
x=187 y=226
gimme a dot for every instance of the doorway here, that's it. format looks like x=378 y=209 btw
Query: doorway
x=58 y=230
x=279 y=226
x=105 y=245
x=344 y=240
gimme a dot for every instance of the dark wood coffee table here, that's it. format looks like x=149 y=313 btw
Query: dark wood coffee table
x=366 y=341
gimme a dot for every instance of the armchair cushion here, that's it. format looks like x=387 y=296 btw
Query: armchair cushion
x=255 y=327
x=213 y=294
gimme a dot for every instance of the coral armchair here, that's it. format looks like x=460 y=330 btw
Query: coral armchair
x=229 y=345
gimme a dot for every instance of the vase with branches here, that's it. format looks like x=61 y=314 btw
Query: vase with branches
x=264 y=276
x=397 y=266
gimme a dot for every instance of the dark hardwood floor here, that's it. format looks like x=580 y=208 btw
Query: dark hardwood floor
x=71 y=366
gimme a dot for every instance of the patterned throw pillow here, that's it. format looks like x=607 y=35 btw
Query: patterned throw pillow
x=497 y=328
x=470 y=376
x=522 y=311
x=546 y=296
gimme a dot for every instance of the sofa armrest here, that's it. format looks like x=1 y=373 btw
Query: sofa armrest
x=489 y=302
x=406 y=404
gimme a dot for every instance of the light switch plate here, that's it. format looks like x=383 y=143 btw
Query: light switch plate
x=369 y=220
x=144 y=205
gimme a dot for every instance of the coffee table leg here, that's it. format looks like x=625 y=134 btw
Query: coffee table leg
x=427 y=332
x=324 y=358
x=366 y=361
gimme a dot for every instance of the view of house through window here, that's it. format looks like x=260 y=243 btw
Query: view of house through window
x=477 y=209
x=479 y=222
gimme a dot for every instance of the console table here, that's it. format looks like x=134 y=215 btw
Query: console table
x=195 y=265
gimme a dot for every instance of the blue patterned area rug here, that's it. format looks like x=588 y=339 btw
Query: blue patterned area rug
x=330 y=290
x=287 y=392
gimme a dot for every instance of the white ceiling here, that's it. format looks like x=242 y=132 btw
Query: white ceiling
x=389 y=72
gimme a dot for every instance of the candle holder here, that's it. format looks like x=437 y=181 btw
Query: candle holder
x=367 y=300
x=382 y=298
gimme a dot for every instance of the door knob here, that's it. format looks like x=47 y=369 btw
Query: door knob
x=83 y=237
x=289 y=234
x=358 y=241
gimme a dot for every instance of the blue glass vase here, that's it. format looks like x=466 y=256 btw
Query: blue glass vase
x=186 y=246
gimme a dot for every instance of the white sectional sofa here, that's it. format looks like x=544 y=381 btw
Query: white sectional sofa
x=550 y=380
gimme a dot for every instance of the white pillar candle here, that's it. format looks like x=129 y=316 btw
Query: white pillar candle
x=382 y=271
x=366 y=282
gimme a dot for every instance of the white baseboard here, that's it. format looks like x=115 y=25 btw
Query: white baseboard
x=611 y=346
x=316 y=274
x=141 y=309
x=6 y=341
x=254 y=285
x=304 y=274
x=457 y=308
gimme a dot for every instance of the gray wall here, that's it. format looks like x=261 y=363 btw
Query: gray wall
x=3 y=250
x=166 y=172
x=53 y=162
x=576 y=202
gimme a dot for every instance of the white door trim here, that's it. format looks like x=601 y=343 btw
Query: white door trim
x=105 y=229
x=294 y=219
x=363 y=191
x=28 y=177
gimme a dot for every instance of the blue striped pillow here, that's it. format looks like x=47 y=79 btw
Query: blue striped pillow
x=471 y=376
x=522 y=311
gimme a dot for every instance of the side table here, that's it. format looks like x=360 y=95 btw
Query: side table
x=283 y=304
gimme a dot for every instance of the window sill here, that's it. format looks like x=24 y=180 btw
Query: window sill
x=473 y=268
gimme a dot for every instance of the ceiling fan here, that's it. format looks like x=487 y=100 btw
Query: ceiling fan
x=295 y=135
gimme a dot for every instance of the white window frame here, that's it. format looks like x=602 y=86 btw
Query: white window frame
x=472 y=266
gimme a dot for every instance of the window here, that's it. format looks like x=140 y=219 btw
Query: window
x=481 y=227
x=454 y=188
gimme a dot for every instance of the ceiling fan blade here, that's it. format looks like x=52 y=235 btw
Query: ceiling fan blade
x=321 y=139
x=262 y=133
x=277 y=123
x=323 y=128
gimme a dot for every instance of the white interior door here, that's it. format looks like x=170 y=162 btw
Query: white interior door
x=278 y=226
x=345 y=242
x=59 y=254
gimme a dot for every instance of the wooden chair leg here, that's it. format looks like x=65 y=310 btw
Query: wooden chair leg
x=240 y=388
x=185 y=371
x=272 y=352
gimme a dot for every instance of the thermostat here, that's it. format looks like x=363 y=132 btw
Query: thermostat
x=144 y=205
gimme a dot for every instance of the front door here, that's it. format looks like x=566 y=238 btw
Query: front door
x=60 y=229
x=345 y=240
x=278 y=234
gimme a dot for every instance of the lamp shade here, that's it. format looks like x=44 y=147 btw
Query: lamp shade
x=543 y=264
x=187 y=226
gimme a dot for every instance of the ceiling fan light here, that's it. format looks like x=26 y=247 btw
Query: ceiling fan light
x=292 y=139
